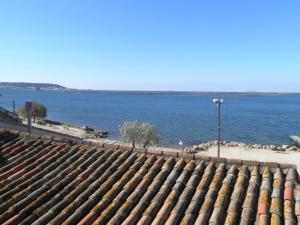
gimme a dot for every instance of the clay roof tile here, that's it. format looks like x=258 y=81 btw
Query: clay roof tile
x=57 y=182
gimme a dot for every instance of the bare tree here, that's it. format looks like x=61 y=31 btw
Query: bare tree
x=134 y=132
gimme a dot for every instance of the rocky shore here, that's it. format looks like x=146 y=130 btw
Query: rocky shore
x=207 y=145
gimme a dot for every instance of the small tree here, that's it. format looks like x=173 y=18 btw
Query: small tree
x=139 y=133
x=131 y=132
x=38 y=111
x=150 y=135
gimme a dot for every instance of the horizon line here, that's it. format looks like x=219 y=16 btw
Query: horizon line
x=153 y=91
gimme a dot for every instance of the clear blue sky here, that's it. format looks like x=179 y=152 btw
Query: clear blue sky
x=198 y=45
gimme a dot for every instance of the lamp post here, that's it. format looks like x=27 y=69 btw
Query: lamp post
x=28 y=106
x=219 y=102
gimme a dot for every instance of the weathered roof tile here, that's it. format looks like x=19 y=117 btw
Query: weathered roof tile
x=56 y=182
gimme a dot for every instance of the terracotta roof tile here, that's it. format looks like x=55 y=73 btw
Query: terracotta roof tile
x=55 y=182
x=288 y=193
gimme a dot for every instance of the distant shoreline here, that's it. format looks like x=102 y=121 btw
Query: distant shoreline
x=191 y=93
x=27 y=86
x=182 y=93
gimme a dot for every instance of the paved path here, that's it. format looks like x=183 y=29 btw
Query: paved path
x=36 y=131
x=255 y=154
x=237 y=153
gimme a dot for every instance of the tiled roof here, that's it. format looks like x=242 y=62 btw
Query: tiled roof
x=46 y=181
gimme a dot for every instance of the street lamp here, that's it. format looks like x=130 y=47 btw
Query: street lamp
x=219 y=102
x=28 y=106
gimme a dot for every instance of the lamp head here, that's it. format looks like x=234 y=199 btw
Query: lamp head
x=218 y=101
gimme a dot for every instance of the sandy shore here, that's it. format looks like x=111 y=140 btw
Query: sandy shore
x=260 y=155
x=254 y=154
x=72 y=131
x=226 y=152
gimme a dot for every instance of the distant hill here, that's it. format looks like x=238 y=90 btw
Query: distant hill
x=31 y=86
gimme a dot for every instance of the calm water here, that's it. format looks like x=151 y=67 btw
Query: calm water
x=249 y=119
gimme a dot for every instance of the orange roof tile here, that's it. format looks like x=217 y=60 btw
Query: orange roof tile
x=47 y=181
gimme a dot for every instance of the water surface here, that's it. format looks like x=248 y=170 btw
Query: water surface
x=191 y=118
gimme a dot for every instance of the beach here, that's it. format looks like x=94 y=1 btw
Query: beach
x=236 y=152
x=240 y=153
x=71 y=131
x=261 y=155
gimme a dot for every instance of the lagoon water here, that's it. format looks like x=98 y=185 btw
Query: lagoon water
x=191 y=118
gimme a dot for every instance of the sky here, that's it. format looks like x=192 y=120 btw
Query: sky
x=167 y=45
